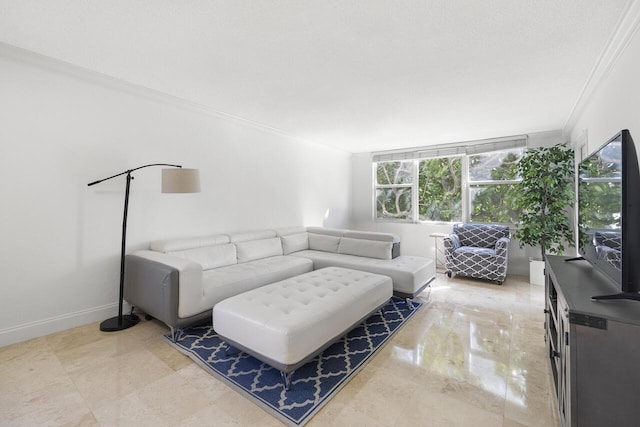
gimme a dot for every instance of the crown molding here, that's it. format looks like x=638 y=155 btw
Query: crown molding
x=626 y=28
x=95 y=77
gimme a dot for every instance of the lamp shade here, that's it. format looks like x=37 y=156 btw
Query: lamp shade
x=180 y=180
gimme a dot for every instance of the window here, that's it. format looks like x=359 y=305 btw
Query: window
x=440 y=189
x=491 y=176
x=470 y=183
x=394 y=184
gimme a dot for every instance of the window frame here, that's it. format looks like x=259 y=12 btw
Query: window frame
x=411 y=185
x=466 y=183
x=487 y=182
x=463 y=159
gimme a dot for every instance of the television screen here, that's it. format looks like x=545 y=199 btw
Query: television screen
x=600 y=208
x=609 y=214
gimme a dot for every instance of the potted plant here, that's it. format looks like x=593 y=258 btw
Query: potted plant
x=543 y=195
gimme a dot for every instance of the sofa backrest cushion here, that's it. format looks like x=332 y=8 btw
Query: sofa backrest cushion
x=210 y=256
x=251 y=235
x=325 y=243
x=295 y=243
x=290 y=230
x=256 y=249
x=188 y=243
x=365 y=248
x=326 y=231
x=480 y=235
x=372 y=235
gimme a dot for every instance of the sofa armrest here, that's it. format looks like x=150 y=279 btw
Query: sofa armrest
x=451 y=242
x=502 y=245
x=395 y=251
x=165 y=286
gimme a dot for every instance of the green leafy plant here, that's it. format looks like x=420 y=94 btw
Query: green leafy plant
x=544 y=194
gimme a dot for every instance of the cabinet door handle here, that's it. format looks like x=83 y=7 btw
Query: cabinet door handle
x=566 y=338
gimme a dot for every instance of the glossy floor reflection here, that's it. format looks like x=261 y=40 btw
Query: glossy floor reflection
x=473 y=356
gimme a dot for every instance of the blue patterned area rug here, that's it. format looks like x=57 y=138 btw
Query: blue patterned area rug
x=312 y=385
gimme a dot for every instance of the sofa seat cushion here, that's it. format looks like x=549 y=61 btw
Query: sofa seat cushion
x=475 y=262
x=408 y=273
x=468 y=251
x=224 y=282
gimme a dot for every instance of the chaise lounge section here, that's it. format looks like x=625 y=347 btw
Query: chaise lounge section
x=370 y=252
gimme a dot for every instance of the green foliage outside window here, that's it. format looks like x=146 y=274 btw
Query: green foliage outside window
x=440 y=189
x=394 y=203
x=393 y=173
x=393 y=192
x=495 y=202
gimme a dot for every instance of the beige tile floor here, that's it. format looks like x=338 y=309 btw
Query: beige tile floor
x=473 y=356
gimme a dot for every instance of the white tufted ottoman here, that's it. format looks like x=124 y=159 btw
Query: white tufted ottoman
x=286 y=324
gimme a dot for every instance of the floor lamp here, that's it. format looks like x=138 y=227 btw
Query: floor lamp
x=177 y=180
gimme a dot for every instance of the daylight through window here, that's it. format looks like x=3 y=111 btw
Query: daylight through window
x=468 y=184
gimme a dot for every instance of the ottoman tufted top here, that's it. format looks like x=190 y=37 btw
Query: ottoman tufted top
x=288 y=320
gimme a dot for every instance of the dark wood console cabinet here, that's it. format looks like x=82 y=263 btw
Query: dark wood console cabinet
x=594 y=347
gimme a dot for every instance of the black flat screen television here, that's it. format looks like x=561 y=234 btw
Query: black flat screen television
x=609 y=214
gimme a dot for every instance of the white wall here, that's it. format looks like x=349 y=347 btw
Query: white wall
x=614 y=104
x=415 y=237
x=63 y=127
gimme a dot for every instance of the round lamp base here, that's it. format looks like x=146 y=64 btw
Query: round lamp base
x=116 y=324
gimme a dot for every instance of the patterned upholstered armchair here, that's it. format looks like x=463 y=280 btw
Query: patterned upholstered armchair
x=477 y=250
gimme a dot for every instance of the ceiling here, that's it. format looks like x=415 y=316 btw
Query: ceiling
x=361 y=75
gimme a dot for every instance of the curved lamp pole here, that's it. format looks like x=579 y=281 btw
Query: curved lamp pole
x=185 y=181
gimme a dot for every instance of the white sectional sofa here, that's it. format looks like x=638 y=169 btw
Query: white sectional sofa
x=179 y=281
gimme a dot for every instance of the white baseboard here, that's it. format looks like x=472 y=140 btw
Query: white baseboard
x=63 y=322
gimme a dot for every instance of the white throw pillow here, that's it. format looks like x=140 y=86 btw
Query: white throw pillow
x=257 y=249
x=366 y=248
x=295 y=243
x=319 y=242
x=210 y=256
